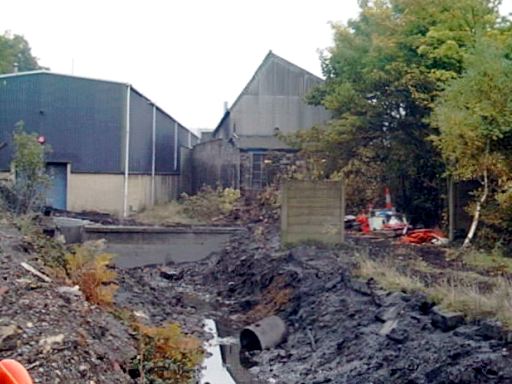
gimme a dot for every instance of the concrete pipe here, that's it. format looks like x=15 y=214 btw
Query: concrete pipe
x=264 y=334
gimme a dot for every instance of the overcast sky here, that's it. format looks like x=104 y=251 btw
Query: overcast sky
x=188 y=56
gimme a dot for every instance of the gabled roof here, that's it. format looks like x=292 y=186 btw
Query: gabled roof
x=44 y=71
x=270 y=56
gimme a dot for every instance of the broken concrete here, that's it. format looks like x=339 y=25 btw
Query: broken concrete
x=446 y=321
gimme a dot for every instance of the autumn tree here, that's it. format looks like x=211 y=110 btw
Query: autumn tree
x=383 y=74
x=474 y=116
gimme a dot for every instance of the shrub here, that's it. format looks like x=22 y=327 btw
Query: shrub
x=50 y=252
x=210 y=204
x=88 y=267
x=167 y=355
x=29 y=188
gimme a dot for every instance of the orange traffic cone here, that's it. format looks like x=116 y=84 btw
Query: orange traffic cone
x=388 y=198
x=12 y=372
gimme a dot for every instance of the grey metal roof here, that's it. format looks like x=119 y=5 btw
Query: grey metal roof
x=270 y=55
x=44 y=71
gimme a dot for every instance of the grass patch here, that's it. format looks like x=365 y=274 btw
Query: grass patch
x=388 y=276
x=494 y=262
x=475 y=301
x=474 y=295
x=206 y=207
x=168 y=214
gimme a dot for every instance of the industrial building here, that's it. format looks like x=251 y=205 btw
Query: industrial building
x=112 y=148
x=272 y=103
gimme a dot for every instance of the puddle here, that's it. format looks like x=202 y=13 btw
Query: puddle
x=237 y=361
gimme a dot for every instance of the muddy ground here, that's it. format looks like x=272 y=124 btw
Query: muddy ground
x=341 y=329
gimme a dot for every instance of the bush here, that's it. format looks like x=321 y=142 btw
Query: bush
x=167 y=355
x=28 y=191
x=209 y=203
x=88 y=267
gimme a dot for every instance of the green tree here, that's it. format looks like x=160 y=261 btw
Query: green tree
x=474 y=116
x=31 y=181
x=15 y=50
x=383 y=74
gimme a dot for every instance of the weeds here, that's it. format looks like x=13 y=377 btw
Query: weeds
x=171 y=213
x=388 y=276
x=88 y=267
x=207 y=206
x=474 y=295
x=49 y=251
x=167 y=355
x=210 y=204
x=493 y=262
x=474 y=300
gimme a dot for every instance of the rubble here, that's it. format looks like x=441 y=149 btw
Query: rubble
x=54 y=333
x=335 y=322
x=340 y=329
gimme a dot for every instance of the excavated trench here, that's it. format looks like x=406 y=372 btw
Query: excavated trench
x=339 y=329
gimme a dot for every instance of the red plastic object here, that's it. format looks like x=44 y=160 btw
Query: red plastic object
x=362 y=219
x=12 y=372
x=422 y=236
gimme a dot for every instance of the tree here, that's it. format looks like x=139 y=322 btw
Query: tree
x=474 y=116
x=15 y=50
x=383 y=74
x=31 y=181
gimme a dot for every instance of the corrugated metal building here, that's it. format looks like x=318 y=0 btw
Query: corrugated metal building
x=113 y=149
x=272 y=102
x=274 y=99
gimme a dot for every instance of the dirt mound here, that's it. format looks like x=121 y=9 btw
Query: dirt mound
x=343 y=330
x=51 y=329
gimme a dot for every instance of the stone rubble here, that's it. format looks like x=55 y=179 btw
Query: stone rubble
x=52 y=330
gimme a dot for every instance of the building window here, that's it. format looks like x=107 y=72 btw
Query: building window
x=259 y=177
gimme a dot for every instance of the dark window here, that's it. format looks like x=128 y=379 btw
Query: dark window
x=259 y=178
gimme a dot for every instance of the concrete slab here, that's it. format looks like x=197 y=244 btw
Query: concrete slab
x=140 y=246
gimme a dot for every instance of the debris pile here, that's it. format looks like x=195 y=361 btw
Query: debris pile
x=344 y=330
x=52 y=329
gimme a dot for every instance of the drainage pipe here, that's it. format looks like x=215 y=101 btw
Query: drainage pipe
x=153 y=156
x=264 y=334
x=127 y=152
x=176 y=146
